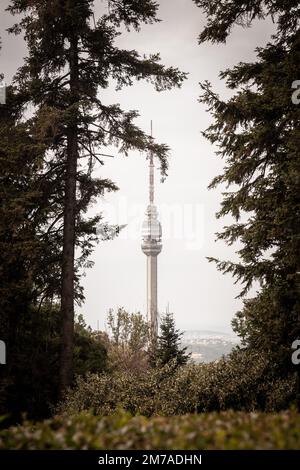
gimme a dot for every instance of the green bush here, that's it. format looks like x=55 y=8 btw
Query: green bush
x=226 y=430
x=29 y=382
x=239 y=383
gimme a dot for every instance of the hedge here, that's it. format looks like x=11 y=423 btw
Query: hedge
x=225 y=430
x=242 y=383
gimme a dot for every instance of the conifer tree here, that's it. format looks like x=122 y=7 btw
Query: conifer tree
x=168 y=347
x=72 y=56
x=26 y=248
x=22 y=215
x=257 y=134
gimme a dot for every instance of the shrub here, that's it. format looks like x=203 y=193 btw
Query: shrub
x=226 y=430
x=239 y=383
x=29 y=382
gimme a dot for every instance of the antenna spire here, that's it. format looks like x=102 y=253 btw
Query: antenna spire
x=151 y=174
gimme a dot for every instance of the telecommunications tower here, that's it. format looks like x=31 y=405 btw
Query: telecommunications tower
x=151 y=246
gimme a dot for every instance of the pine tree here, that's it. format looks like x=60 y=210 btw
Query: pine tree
x=26 y=204
x=257 y=133
x=22 y=215
x=168 y=346
x=223 y=16
x=71 y=56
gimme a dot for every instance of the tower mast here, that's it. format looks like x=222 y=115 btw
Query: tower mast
x=152 y=246
x=151 y=176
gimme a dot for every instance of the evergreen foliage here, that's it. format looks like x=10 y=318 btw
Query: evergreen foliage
x=31 y=384
x=208 y=431
x=257 y=134
x=168 y=348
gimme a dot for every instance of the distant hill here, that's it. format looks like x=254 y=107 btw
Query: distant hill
x=207 y=346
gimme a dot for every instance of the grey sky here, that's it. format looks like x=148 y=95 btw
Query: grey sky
x=198 y=294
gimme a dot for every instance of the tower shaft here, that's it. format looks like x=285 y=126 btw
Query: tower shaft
x=152 y=294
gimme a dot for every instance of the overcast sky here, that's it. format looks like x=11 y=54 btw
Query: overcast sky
x=199 y=296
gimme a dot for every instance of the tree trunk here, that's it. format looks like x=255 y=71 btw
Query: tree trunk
x=68 y=258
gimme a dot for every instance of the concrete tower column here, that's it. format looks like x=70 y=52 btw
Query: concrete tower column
x=152 y=294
